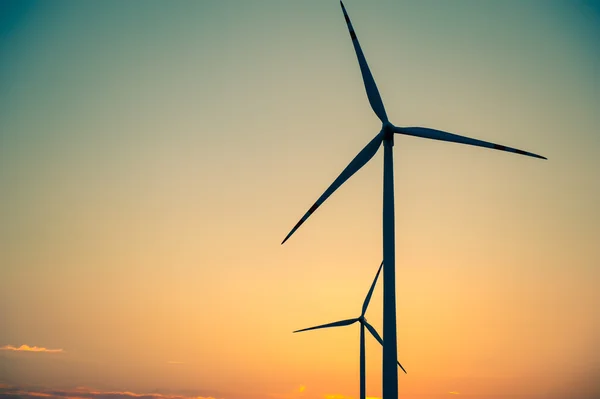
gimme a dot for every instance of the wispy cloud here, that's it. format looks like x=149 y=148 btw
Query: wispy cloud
x=295 y=393
x=27 y=348
x=8 y=392
x=454 y=393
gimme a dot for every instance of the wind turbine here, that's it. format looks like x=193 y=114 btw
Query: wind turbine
x=363 y=323
x=386 y=136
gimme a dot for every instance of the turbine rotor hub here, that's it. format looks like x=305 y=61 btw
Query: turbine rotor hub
x=388 y=131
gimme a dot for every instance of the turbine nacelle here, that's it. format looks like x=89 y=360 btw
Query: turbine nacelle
x=388 y=131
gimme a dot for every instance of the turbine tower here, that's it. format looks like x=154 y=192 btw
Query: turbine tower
x=363 y=323
x=386 y=136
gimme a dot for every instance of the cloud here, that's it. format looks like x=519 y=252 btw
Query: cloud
x=27 y=348
x=454 y=393
x=296 y=393
x=10 y=392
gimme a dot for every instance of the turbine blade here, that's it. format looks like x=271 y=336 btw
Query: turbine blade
x=368 y=298
x=370 y=86
x=358 y=162
x=375 y=334
x=334 y=324
x=455 y=138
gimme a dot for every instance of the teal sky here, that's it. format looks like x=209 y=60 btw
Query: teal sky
x=154 y=154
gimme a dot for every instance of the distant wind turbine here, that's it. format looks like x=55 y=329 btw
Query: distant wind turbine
x=386 y=136
x=363 y=323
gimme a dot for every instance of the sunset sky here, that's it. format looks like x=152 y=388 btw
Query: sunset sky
x=154 y=154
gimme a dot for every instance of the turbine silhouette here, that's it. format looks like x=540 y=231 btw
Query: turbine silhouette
x=386 y=136
x=363 y=323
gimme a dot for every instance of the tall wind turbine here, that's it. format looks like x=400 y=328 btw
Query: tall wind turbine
x=386 y=136
x=363 y=323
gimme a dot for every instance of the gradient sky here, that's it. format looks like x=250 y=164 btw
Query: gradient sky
x=154 y=154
